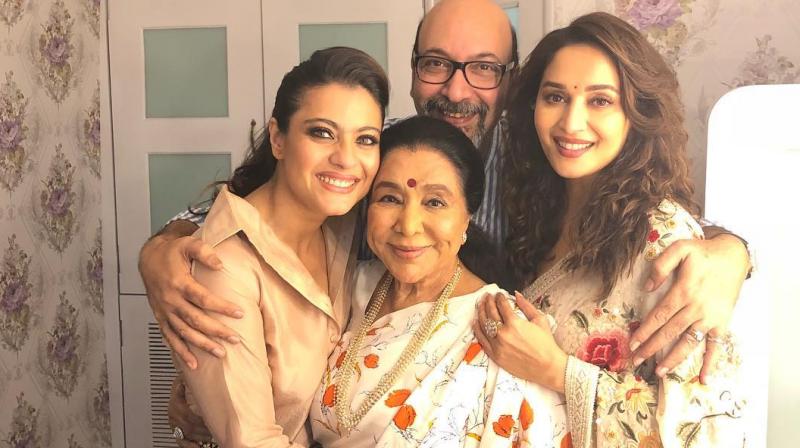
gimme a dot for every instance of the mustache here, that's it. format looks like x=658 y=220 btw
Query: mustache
x=442 y=105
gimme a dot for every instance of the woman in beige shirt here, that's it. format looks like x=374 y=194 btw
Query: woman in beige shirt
x=282 y=229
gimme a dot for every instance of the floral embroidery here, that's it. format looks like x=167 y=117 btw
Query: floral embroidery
x=525 y=415
x=404 y=417
x=57 y=201
x=24 y=431
x=329 y=397
x=14 y=159
x=62 y=363
x=16 y=290
x=665 y=228
x=634 y=398
x=566 y=442
x=472 y=352
x=607 y=350
x=503 y=426
x=11 y=11
x=626 y=398
x=52 y=56
x=371 y=361
x=90 y=135
x=450 y=395
x=397 y=398
x=340 y=359
x=650 y=440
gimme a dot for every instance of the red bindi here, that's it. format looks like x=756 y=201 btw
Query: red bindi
x=411 y=183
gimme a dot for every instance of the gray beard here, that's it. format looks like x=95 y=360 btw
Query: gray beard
x=442 y=106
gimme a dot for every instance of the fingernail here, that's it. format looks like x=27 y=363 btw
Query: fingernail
x=661 y=371
x=649 y=285
x=637 y=361
x=238 y=314
x=233 y=339
x=217 y=263
x=634 y=345
x=192 y=365
x=218 y=352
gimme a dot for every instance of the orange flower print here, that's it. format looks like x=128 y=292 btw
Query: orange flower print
x=525 y=415
x=340 y=359
x=397 y=397
x=371 y=361
x=503 y=426
x=404 y=417
x=566 y=442
x=649 y=440
x=329 y=397
x=472 y=352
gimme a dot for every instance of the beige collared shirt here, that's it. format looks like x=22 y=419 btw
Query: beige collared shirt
x=259 y=395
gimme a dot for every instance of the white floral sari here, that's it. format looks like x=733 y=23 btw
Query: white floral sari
x=451 y=395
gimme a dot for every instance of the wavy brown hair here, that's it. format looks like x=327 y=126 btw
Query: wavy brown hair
x=611 y=229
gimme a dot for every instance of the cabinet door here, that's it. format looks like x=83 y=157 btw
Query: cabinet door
x=186 y=80
x=384 y=29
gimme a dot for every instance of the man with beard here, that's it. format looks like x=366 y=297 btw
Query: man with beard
x=463 y=55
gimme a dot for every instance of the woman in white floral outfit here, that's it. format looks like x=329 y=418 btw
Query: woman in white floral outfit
x=408 y=370
x=597 y=187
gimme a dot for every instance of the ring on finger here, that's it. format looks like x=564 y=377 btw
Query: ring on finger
x=695 y=335
x=177 y=433
x=491 y=327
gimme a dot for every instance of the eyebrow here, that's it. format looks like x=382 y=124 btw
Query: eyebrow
x=333 y=124
x=590 y=88
x=478 y=57
x=427 y=187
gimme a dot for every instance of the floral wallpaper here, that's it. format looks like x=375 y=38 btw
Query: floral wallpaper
x=53 y=375
x=714 y=46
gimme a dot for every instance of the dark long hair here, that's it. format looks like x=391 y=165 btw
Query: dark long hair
x=478 y=254
x=611 y=229
x=335 y=65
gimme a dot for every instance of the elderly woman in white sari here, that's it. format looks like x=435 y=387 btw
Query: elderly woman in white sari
x=408 y=370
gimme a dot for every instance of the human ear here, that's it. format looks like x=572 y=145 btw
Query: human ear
x=276 y=138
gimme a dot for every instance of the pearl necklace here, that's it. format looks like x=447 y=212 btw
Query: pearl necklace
x=349 y=419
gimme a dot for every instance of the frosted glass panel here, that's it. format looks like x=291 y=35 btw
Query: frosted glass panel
x=513 y=15
x=186 y=72
x=367 y=37
x=176 y=181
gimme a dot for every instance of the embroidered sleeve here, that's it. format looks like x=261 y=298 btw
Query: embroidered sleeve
x=581 y=389
x=635 y=407
x=677 y=411
x=669 y=222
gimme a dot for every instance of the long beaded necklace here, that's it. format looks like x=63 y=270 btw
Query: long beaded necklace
x=349 y=419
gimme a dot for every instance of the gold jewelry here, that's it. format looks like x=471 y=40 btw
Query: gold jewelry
x=349 y=419
x=464 y=238
x=491 y=327
x=695 y=335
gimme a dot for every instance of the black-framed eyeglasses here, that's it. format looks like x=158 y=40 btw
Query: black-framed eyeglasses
x=484 y=75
